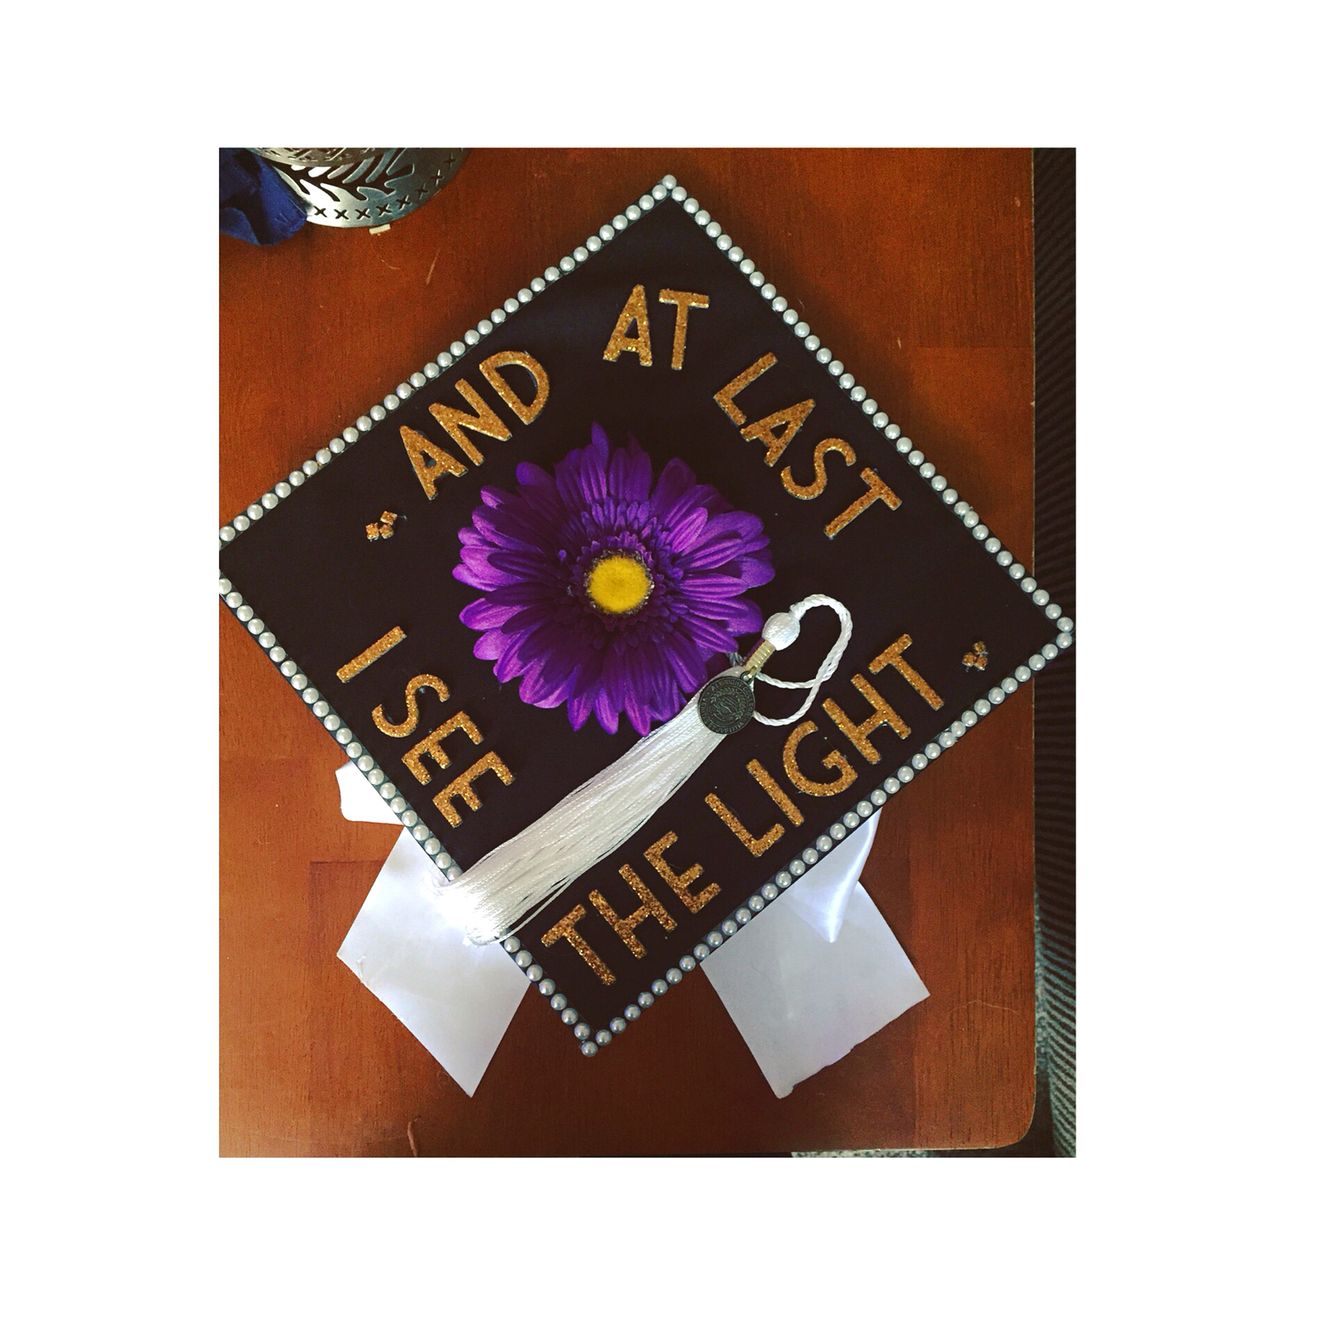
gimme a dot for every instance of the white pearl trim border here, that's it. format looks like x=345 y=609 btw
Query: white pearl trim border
x=590 y=1042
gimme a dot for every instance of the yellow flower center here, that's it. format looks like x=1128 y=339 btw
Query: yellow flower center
x=618 y=584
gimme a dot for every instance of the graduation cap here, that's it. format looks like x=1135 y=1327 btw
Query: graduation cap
x=535 y=594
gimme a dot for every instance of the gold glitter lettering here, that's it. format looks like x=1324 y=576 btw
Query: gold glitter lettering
x=635 y=311
x=409 y=724
x=775 y=793
x=876 y=489
x=648 y=907
x=777 y=429
x=684 y=303
x=835 y=762
x=679 y=882
x=462 y=787
x=485 y=422
x=809 y=491
x=428 y=460
x=893 y=657
x=388 y=640
x=564 y=930
x=527 y=413
x=430 y=745
x=882 y=716
x=756 y=846
x=723 y=398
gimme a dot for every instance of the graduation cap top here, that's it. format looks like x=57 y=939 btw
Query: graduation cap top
x=549 y=537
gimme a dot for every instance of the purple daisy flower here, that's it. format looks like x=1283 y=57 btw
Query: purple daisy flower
x=607 y=591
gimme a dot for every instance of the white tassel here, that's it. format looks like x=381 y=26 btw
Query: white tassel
x=514 y=882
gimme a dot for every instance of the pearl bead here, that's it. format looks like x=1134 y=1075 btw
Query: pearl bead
x=581 y=1030
x=1049 y=651
x=729 y=927
x=857 y=393
x=558 y=1002
x=673 y=976
x=880 y=420
x=782 y=880
x=982 y=707
x=878 y=797
x=996 y=695
x=769 y=892
x=846 y=380
x=241 y=523
x=810 y=856
x=916 y=458
x=618 y=1025
x=589 y=1048
x=645 y=999
x=714 y=938
x=1029 y=584
x=824 y=843
x=1009 y=685
x=512 y=945
x=1016 y=571
x=545 y=987
x=658 y=987
x=523 y=958
x=919 y=761
x=377 y=412
x=755 y=903
x=701 y=952
x=865 y=810
x=892 y=785
x=1023 y=673
x=851 y=819
x=551 y=273
x=1064 y=639
x=602 y=1037
x=1041 y=597
x=893 y=431
x=686 y=963
x=742 y=916
x=838 y=831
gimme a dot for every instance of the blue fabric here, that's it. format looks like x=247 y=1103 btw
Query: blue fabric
x=253 y=203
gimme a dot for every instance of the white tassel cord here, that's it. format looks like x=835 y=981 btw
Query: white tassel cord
x=516 y=881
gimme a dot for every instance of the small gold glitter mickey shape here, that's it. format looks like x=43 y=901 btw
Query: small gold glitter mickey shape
x=383 y=529
x=976 y=657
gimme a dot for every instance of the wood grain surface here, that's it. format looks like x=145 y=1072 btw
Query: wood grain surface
x=916 y=267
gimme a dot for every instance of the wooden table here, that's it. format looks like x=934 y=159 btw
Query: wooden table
x=916 y=267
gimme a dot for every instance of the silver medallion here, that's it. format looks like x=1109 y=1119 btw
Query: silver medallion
x=726 y=704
